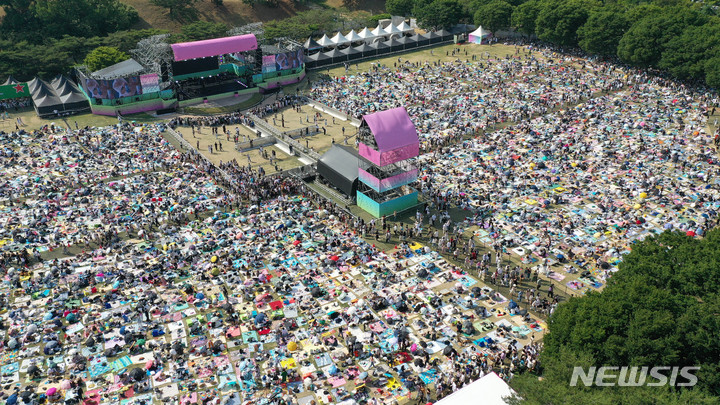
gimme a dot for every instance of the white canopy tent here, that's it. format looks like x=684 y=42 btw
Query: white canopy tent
x=488 y=390
x=366 y=34
x=339 y=39
x=404 y=27
x=379 y=31
x=480 y=36
x=391 y=29
x=352 y=36
x=325 y=41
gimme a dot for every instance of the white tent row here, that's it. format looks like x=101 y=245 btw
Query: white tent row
x=339 y=39
x=365 y=35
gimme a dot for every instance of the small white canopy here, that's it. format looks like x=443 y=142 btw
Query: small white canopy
x=352 y=36
x=488 y=390
x=391 y=29
x=379 y=31
x=481 y=32
x=339 y=39
x=325 y=41
x=404 y=27
x=366 y=34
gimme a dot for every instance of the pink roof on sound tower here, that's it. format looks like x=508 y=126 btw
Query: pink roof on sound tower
x=392 y=129
x=214 y=47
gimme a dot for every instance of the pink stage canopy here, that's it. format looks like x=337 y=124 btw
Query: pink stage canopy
x=392 y=129
x=214 y=47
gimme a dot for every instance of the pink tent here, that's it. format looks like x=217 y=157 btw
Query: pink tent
x=392 y=129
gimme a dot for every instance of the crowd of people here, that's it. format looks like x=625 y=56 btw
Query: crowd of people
x=451 y=100
x=555 y=158
x=580 y=186
x=61 y=189
x=14 y=105
x=135 y=272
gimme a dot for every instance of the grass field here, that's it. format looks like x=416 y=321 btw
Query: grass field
x=320 y=142
x=204 y=138
x=32 y=121
x=441 y=53
x=252 y=101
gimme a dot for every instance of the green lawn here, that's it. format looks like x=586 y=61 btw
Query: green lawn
x=252 y=101
x=32 y=121
x=433 y=54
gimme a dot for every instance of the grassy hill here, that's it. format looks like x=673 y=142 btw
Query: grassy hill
x=236 y=13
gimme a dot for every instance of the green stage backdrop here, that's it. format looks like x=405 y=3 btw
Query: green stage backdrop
x=14 y=91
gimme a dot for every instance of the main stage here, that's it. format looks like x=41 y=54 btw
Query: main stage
x=211 y=73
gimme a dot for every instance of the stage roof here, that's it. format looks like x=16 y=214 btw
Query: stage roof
x=339 y=165
x=392 y=129
x=125 y=68
x=214 y=47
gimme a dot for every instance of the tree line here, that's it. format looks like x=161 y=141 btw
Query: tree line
x=681 y=37
x=49 y=37
x=25 y=59
x=661 y=308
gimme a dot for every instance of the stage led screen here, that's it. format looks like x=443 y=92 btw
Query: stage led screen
x=190 y=66
x=112 y=89
x=268 y=63
x=150 y=83
x=289 y=60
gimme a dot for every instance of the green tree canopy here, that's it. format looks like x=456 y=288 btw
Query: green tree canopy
x=38 y=20
x=19 y=19
x=559 y=20
x=524 y=17
x=644 y=42
x=200 y=30
x=55 y=56
x=712 y=72
x=180 y=10
x=686 y=55
x=603 y=30
x=399 y=7
x=304 y=24
x=374 y=20
x=494 y=15
x=104 y=56
x=662 y=308
x=438 y=13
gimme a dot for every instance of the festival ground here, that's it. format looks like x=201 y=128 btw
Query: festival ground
x=220 y=301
